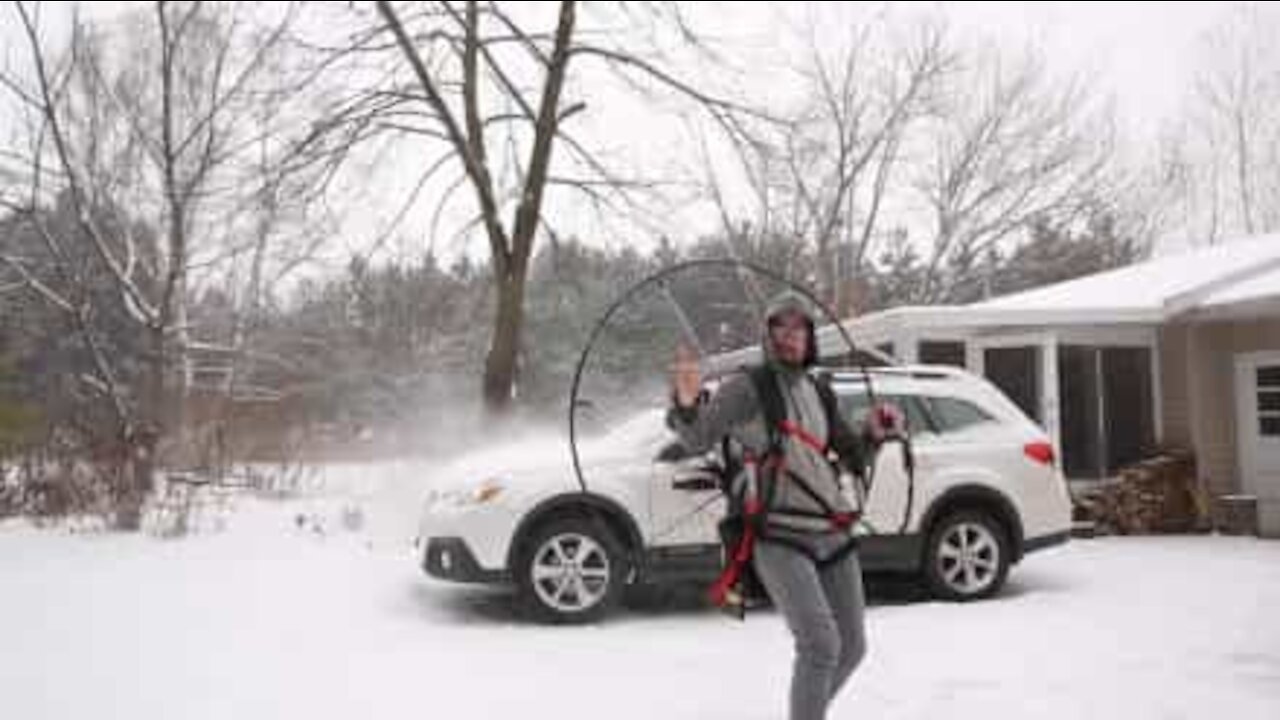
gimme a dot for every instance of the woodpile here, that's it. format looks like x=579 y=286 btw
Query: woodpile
x=1156 y=495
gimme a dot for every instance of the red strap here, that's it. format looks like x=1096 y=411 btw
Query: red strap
x=774 y=461
x=839 y=520
x=842 y=520
x=741 y=556
x=803 y=436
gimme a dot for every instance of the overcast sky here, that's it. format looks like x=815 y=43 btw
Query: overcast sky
x=1144 y=54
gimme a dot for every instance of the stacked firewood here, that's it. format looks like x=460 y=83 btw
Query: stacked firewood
x=1156 y=495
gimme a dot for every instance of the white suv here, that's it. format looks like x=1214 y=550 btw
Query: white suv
x=986 y=491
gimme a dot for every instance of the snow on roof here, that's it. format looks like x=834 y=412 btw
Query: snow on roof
x=1233 y=273
x=1263 y=285
x=1160 y=283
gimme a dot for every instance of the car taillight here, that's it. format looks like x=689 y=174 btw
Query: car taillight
x=1041 y=452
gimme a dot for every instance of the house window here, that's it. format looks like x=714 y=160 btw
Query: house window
x=1127 y=399
x=1107 y=416
x=1080 y=412
x=1269 y=401
x=942 y=353
x=1016 y=371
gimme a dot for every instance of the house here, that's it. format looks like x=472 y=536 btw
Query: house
x=1182 y=350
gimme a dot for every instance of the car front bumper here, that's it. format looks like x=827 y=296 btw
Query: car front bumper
x=485 y=531
x=451 y=558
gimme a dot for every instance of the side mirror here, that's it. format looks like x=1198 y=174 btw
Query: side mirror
x=673 y=452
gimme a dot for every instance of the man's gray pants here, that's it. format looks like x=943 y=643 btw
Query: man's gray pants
x=823 y=606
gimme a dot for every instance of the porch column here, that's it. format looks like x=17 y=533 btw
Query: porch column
x=975 y=359
x=1050 y=405
x=906 y=347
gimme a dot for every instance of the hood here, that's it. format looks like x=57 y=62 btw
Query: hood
x=791 y=302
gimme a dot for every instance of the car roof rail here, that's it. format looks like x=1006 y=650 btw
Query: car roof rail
x=909 y=372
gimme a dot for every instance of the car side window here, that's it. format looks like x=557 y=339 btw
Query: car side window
x=855 y=408
x=954 y=414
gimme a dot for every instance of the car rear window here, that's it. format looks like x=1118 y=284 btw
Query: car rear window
x=924 y=413
x=954 y=414
x=855 y=409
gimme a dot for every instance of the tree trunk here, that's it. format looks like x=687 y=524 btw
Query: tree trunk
x=142 y=439
x=501 y=364
x=827 y=275
x=1242 y=172
x=511 y=268
x=138 y=478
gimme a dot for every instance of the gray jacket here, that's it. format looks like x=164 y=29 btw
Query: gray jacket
x=736 y=412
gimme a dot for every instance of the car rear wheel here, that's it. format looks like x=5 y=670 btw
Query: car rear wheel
x=967 y=557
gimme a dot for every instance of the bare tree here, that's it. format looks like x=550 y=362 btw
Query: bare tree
x=918 y=156
x=1013 y=145
x=843 y=151
x=1228 y=150
x=160 y=124
x=823 y=180
x=498 y=95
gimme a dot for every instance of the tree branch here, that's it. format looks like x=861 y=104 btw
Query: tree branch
x=479 y=175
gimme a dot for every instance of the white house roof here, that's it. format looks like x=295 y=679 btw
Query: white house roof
x=1175 y=282
x=1241 y=275
x=1210 y=279
x=1262 y=286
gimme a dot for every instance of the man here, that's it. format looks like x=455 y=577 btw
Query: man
x=804 y=552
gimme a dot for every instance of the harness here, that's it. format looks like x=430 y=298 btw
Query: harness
x=754 y=486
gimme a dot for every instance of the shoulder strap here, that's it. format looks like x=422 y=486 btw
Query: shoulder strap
x=730 y=462
x=828 y=397
x=831 y=407
x=772 y=406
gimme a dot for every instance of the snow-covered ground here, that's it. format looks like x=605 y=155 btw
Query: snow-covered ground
x=270 y=620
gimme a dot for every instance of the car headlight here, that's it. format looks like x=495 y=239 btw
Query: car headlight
x=485 y=492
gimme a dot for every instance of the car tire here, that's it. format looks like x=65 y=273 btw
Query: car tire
x=967 y=556
x=571 y=570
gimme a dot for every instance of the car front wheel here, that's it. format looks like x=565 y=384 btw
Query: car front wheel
x=572 y=571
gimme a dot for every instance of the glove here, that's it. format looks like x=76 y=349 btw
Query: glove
x=885 y=421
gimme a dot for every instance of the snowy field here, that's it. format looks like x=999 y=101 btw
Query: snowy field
x=271 y=620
